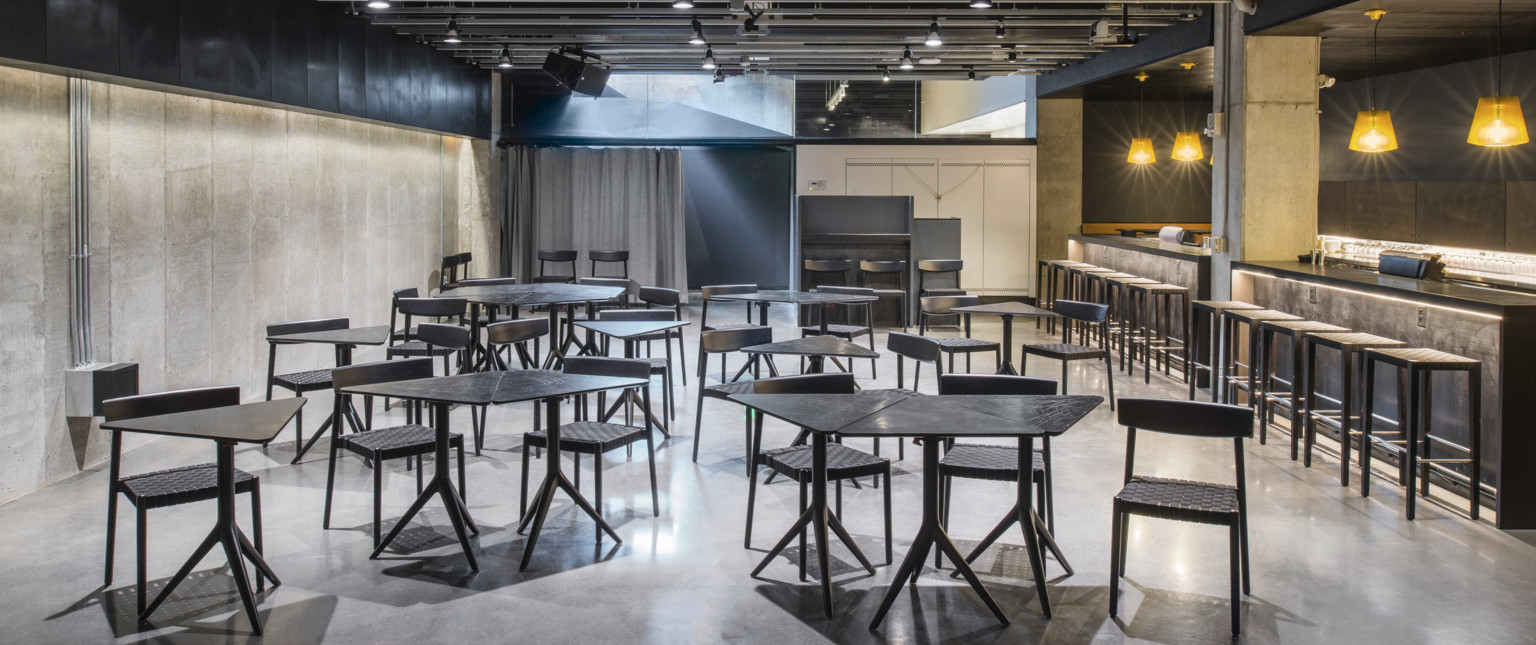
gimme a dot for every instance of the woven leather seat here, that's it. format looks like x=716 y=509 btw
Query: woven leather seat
x=962 y=344
x=304 y=381
x=399 y=441
x=725 y=390
x=1179 y=499
x=417 y=348
x=587 y=436
x=993 y=463
x=725 y=326
x=794 y=462
x=181 y=485
x=1063 y=350
x=846 y=331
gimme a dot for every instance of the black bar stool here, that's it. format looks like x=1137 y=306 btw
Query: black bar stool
x=1208 y=312
x=1351 y=347
x=1046 y=291
x=620 y=258
x=882 y=270
x=1096 y=290
x=1247 y=381
x=1292 y=396
x=1415 y=401
x=1122 y=316
x=1156 y=324
x=556 y=258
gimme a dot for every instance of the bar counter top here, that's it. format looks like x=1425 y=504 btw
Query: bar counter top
x=1145 y=245
x=1448 y=294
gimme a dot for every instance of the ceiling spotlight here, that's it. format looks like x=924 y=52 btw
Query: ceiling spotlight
x=378 y=4
x=935 y=38
x=709 y=58
x=505 y=62
x=906 y=58
x=1001 y=31
x=698 y=33
x=970 y=75
x=1013 y=57
x=981 y=4
x=452 y=37
x=719 y=75
x=682 y=4
x=885 y=75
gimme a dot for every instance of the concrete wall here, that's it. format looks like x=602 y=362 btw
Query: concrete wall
x=1060 y=175
x=210 y=220
x=1278 y=129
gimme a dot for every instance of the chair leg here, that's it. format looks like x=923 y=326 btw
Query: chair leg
x=888 y=514
x=751 y=501
x=111 y=530
x=698 y=420
x=463 y=489
x=1242 y=528
x=597 y=490
x=650 y=457
x=802 y=533
x=256 y=529
x=1235 y=567
x=330 y=483
x=378 y=495
x=522 y=501
x=143 y=556
x=1116 y=567
x=1109 y=371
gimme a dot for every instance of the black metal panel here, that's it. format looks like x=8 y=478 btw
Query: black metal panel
x=1466 y=214
x=1520 y=217
x=22 y=25
x=290 y=51
x=205 y=45
x=419 y=109
x=400 y=90
x=1272 y=14
x=1173 y=41
x=323 y=54
x=439 y=72
x=149 y=40
x=351 y=67
x=250 y=50
x=1379 y=210
x=82 y=34
x=379 y=72
x=1331 y=211
x=736 y=210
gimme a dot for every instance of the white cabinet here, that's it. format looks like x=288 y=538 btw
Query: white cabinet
x=918 y=178
x=964 y=198
x=868 y=177
x=1009 y=233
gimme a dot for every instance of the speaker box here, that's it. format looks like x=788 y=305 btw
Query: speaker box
x=576 y=75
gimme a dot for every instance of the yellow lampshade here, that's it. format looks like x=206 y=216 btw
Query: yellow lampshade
x=1141 y=151
x=1498 y=123
x=1373 y=132
x=1186 y=147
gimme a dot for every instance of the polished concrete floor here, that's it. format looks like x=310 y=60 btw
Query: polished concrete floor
x=1328 y=566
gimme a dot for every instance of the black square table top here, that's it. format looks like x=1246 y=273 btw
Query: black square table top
x=255 y=423
x=798 y=297
x=533 y=294
x=484 y=388
x=630 y=328
x=898 y=413
x=1006 y=309
x=814 y=346
x=376 y=335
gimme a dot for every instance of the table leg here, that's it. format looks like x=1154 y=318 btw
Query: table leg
x=1007 y=366
x=441 y=486
x=815 y=364
x=931 y=535
x=343 y=359
x=226 y=532
x=1029 y=521
x=554 y=480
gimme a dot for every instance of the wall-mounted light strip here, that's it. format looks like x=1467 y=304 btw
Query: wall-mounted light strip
x=1368 y=294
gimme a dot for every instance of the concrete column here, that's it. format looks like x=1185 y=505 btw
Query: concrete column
x=1264 y=189
x=1059 y=178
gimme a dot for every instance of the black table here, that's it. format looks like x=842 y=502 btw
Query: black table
x=933 y=418
x=1008 y=311
x=815 y=348
x=345 y=341
x=822 y=300
x=552 y=295
x=627 y=331
x=254 y=423
x=486 y=388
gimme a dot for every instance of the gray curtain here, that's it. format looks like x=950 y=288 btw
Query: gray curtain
x=601 y=198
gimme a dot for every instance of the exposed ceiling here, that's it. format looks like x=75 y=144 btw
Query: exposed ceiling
x=829 y=39
x=1167 y=80
x=1414 y=34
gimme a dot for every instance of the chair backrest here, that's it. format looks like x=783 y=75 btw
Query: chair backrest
x=433 y=307
x=940 y=266
x=660 y=296
x=516 y=331
x=940 y=305
x=306 y=326
x=606 y=366
x=1082 y=311
x=486 y=282
x=1188 y=418
x=608 y=256
x=408 y=292
x=828 y=266
x=148 y=405
x=995 y=384
x=557 y=256
x=635 y=314
x=719 y=341
x=465 y=257
x=381 y=372
x=833 y=383
x=726 y=290
x=855 y=291
x=445 y=336
x=883 y=266
x=605 y=282
x=917 y=348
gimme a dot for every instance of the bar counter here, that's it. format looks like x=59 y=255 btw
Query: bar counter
x=1493 y=326
x=1176 y=264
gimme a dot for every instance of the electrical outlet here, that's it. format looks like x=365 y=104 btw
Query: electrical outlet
x=1312 y=295
x=1423 y=317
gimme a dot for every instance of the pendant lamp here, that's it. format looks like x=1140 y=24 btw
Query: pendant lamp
x=1186 y=145
x=1498 y=122
x=1373 y=127
x=1141 y=152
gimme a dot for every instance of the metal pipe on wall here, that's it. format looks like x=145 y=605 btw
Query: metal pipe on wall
x=83 y=350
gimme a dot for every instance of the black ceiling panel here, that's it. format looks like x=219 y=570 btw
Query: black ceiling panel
x=149 y=40
x=82 y=34
x=351 y=67
x=22 y=25
x=324 y=52
x=290 y=52
x=205 y=45
x=250 y=50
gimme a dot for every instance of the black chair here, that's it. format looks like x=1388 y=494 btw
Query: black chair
x=395 y=333
x=794 y=462
x=661 y=366
x=883 y=270
x=514 y=335
x=942 y=306
x=596 y=438
x=1178 y=499
x=432 y=308
x=299 y=382
x=413 y=439
x=493 y=313
x=620 y=258
x=455 y=269
x=932 y=269
x=172 y=486
x=556 y=258
x=1088 y=313
x=852 y=330
x=620 y=301
x=999 y=463
x=669 y=299
x=920 y=350
x=708 y=295
x=456 y=338
x=817 y=273
x=724 y=341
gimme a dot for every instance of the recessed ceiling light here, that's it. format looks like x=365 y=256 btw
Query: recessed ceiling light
x=981 y=4
x=378 y=4
x=682 y=4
